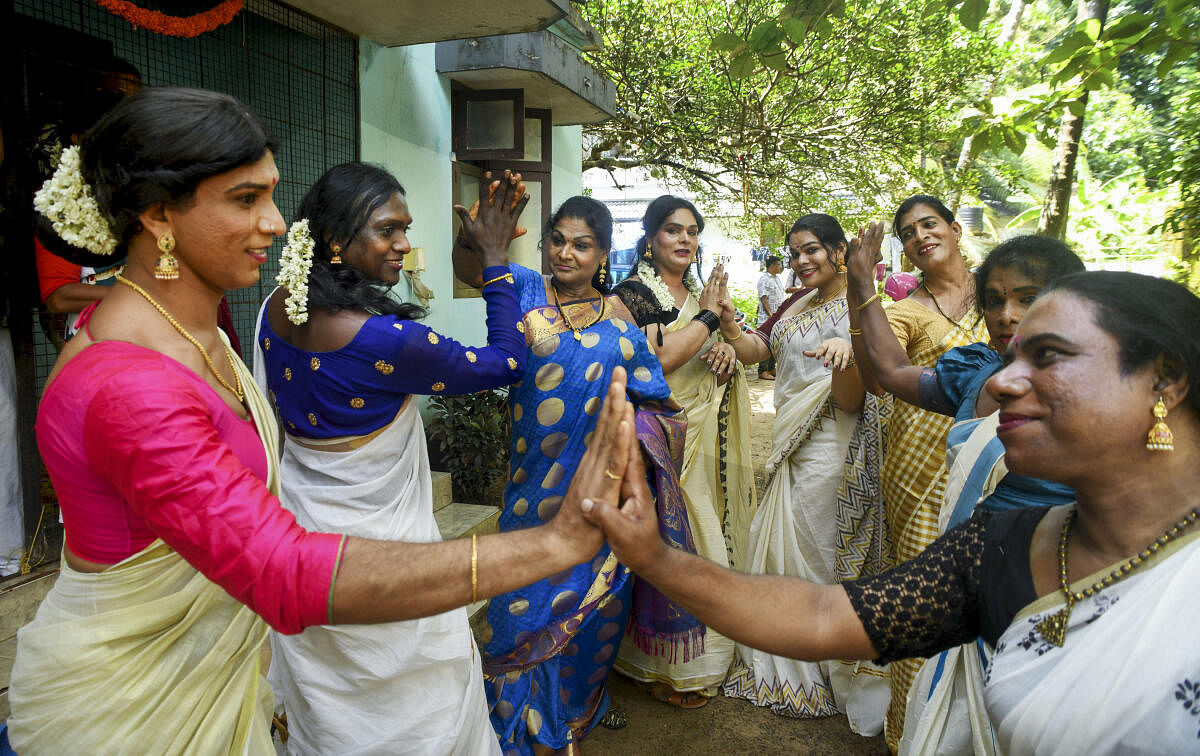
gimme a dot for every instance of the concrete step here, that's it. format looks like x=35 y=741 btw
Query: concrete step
x=459 y=520
x=443 y=494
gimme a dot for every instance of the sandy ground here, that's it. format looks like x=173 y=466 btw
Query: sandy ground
x=725 y=725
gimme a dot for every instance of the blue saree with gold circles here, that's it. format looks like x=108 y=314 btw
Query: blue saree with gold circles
x=549 y=647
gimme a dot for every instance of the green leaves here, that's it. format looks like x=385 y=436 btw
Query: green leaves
x=972 y=13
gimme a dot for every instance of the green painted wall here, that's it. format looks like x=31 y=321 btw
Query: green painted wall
x=405 y=112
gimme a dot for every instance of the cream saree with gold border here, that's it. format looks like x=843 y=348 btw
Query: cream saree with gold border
x=146 y=657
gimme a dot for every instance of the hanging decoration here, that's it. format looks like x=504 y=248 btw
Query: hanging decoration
x=174 y=26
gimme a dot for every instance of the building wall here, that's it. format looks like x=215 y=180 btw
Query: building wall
x=405 y=113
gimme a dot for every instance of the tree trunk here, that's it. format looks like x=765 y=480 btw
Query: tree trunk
x=1012 y=21
x=1062 y=178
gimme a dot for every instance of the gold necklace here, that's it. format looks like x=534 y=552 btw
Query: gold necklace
x=942 y=312
x=567 y=320
x=236 y=389
x=1054 y=627
x=819 y=300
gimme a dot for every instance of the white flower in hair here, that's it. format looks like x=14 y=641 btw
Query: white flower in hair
x=67 y=202
x=653 y=282
x=293 y=271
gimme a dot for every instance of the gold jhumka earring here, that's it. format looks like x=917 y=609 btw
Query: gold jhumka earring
x=336 y=249
x=1160 y=438
x=167 y=267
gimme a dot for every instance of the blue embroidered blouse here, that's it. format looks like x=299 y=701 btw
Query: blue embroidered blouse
x=361 y=387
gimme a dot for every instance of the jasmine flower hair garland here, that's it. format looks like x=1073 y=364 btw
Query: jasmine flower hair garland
x=68 y=203
x=294 y=266
x=654 y=282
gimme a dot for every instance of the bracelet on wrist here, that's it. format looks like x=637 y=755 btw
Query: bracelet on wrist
x=735 y=338
x=856 y=332
x=506 y=277
x=865 y=304
x=709 y=319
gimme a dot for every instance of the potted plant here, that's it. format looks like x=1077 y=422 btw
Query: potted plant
x=471 y=434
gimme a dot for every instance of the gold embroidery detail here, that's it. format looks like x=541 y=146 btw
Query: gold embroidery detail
x=439 y=386
x=315 y=363
x=512 y=364
x=287 y=374
x=384 y=367
x=312 y=419
x=267 y=344
x=357 y=402
x=471 y=356
x=521 y=326
x=433 y=337
x=398 y=326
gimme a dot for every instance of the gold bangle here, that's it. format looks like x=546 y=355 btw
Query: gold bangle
x=474 y=567
x=739 y=337
x=863 y=306
x=856 y=332
x=506 y=277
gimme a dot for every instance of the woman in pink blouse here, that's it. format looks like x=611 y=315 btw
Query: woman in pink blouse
x=163 y=454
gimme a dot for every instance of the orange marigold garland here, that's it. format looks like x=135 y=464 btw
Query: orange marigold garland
x=173 y=26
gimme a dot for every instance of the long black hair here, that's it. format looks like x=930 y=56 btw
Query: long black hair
x=338 y=207
x=157 y=146
x=1041 y=259
x=599 y=220
x=827 y=230
x=656 y=214
x=1147 y=317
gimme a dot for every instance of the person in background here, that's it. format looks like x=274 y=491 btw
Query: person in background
x=945 y=709
x=770 y=296
x=548 y=647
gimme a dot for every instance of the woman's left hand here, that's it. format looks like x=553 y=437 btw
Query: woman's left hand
x=836 y=352
x=721 y=359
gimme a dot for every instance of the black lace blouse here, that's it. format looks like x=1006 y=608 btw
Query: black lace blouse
x=644 y=306
x=970 y=582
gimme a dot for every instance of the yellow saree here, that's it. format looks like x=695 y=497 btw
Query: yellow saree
x=913 y=478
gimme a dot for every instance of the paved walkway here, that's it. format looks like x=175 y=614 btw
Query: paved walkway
x=726 y=725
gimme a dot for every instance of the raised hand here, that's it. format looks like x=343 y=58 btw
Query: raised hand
x=836 y=352
x=710 y=297
x=864 y=252
x=489 y=232
x=728 y=312
x=601 y=471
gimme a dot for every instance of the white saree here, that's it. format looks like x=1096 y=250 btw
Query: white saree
x=795 y=529
x=1127 y=680
x=412 y=687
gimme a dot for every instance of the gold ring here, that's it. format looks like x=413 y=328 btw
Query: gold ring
x=611 y=475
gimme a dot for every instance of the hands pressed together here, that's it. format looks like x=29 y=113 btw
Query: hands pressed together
x=609 y=496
